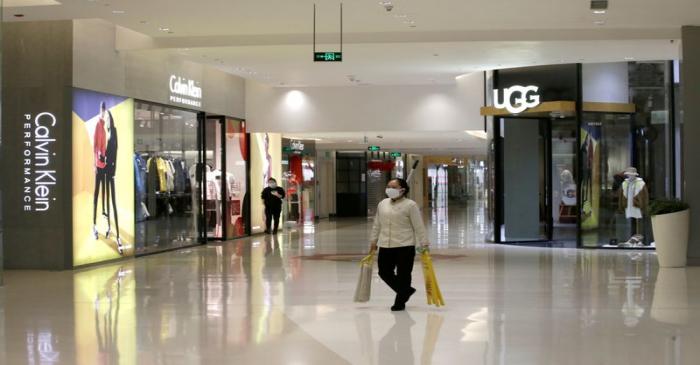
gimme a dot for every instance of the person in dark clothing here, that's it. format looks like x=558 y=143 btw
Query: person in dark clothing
x=272 y=195
x=110 y=172
x=99 y=149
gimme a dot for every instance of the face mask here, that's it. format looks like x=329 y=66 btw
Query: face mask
x=393 y=193
x=272 y=185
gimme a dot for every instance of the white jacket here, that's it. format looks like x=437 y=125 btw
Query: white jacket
x=398 y=224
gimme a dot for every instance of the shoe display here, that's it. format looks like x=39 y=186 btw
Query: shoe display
x=109 y=229
x=120 y=247
x=94 y=232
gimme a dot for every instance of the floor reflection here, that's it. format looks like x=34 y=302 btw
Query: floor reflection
x=396 y=347
x=287 y=299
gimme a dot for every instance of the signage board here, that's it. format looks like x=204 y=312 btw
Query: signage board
x=39 y=165
x=516 y=99
x=373 y=148
x=185 y=91
x=328 y=56
x=395 y=154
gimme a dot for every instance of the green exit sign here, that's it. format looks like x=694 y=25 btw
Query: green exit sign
x=374 y=148
x=328 y=56
x=395 y=154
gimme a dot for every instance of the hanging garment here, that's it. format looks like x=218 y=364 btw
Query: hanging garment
x=153 y=175
x=140 y=176
x=213 y=185
x=162 y=169
x=169 y=174
x=180 y=175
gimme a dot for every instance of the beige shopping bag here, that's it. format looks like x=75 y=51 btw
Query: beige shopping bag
x=364 y=283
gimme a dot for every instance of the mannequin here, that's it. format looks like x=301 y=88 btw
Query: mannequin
x=634 y=201
x=567 y=206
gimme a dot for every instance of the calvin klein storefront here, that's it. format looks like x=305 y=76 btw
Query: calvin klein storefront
x=118 y=165
x=576 y=152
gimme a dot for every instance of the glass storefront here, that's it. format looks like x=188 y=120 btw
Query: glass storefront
x=166 y=184
x=581 y=169
x=299 y=181
x=615 y=207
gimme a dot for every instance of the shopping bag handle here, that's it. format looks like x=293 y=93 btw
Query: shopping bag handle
x=368 y=259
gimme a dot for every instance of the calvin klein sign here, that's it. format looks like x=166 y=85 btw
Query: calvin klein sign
x=525 y=97
x=185 y=91
x=38 y=172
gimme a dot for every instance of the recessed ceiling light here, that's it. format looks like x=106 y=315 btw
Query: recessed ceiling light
x=629 y=58
x=599 y=12
x=164 y=29
x=599 y=22
x=118 y=12
x=400 y=16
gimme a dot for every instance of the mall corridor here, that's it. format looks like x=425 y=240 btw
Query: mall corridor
x=288 y=300
x=197 y=182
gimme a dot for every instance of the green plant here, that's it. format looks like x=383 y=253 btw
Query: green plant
x=667 y=206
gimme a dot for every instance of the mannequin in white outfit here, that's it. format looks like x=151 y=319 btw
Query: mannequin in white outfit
x=634 y=200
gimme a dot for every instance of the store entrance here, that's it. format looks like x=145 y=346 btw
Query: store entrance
x=226 y=173
x=538 y=180
x=351 y=188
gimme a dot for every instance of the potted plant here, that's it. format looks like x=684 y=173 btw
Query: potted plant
x=670 y=220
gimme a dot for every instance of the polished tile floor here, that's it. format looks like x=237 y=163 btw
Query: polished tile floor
x=289 y=301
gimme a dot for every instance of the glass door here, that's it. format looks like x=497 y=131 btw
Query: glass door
x=236 y=186
x=564 y=175
x=523 y=215
x=226 y=170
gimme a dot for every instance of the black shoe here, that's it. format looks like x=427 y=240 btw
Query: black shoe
x=398 y=307
x=267 y=231
x=274 y=232
x=410 y=293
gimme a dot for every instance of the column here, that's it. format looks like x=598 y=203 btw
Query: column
x=690 y=94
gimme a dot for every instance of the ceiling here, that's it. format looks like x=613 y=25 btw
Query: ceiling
x=416 y=63
x=457 y=143
x=418 y=42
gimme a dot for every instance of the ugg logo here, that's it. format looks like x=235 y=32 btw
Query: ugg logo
x=517 y=99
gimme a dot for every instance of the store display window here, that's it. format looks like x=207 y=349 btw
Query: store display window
x=166 y=182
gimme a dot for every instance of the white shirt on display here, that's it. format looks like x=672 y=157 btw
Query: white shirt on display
x=631 y=188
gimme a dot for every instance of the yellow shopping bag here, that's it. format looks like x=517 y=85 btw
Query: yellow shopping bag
x=432 y=289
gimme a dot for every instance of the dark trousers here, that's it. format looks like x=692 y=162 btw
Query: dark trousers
x=270 y=214
x=112 y=195
x=100 y=184
x=395 y=268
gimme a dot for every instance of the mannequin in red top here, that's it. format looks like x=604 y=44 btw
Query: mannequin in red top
x=99 y=151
